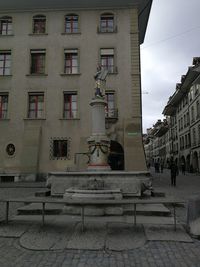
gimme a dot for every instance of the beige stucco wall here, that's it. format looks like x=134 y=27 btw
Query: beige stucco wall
x=32 y=154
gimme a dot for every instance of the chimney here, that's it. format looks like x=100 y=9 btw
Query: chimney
x=196 y=61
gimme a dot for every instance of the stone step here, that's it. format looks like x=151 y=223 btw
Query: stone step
x=149 y=209
x=36 y=209
x=43 y=193
x=51 y=209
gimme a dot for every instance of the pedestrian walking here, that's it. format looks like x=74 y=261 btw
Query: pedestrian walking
x=174 y=170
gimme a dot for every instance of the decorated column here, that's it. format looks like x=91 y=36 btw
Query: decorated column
x=98 y=142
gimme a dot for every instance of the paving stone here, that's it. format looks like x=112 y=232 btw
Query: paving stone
x=92 y=238
x=122 y=236
x=49 y=237
x=13 y=229
x=166 y=233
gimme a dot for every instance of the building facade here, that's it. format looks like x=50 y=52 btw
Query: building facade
x=49 y=53
x=182 y=139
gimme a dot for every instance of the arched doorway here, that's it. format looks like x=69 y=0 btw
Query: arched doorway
x=116 y=156
x=195 y=162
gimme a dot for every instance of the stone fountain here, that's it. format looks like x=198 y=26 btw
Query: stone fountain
x=98 y=181
x=98 y=146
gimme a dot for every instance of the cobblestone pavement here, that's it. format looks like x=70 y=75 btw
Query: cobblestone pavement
x=153 y=253
x=186 y=186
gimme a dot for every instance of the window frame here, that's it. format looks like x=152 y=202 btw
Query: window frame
x=68 y=112
x=5 y=61
x=36 y=110
x=198 y=109
x=194 y=136
x=73 y=29
x=9 y=21
x=37 y=17
x=4 y=110
x=38 y=69
x=105 y=55
x=71 y=52
x=60 y=139
x=110 y=112
x=105 y=29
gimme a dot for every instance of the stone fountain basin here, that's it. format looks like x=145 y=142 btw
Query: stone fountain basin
x=130 y=183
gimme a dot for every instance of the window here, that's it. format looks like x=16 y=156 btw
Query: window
x=107 y=59
x=186 y=142
x=192 y=114
x=107 y=23
x=38 y=61
x=70 y=105
x=3 y=106
x=71 y=23
x=5 y=63
x=194 y=136
x=60 y=148
x=191 y=93
x=184 y=118
x=6 y=26
x=39 y=24
x=181 y=123
x=110 y=107
x=188 y=119
x=71 y=61
x=196 y=89
x=198 y=108
x=199 y=133
x=36 y=106
x=189 y=140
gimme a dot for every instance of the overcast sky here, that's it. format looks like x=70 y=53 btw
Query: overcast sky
x=172 y=40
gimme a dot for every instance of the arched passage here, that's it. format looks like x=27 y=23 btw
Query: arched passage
x=116 y=156
x=195 y=162
x=188 y=163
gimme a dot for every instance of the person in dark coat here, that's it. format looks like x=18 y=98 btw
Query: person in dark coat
x=174 y=170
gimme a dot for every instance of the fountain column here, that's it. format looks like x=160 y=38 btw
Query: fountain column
x=98 y=142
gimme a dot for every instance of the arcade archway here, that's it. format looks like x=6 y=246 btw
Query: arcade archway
x=188 y=163
x=195 y=162
x=116 y=156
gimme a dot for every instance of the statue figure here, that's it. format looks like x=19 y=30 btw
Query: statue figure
x=100 y=80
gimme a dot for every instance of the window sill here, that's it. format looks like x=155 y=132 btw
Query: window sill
x=38 y=34
x=69 y=119
x=101 y=32
x=113 y=73
x=6 y=119
x=3 y=76
x=34 y=119
x=70 y=33
x=6 y=35
x=59 y=158
x=36 y=75
x=70 y=74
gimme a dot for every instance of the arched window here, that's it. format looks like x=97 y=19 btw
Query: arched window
x=6 y=27
x=107 y=22
x=71 y=23
x=39 y=24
